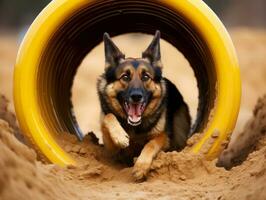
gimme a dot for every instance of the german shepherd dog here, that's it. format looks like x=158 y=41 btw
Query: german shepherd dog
x=142 y=112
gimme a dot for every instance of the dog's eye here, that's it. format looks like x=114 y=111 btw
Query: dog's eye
x=125 y=78
x=145 y=77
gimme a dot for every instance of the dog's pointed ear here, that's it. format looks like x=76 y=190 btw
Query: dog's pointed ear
x=112 y=54
x=153 y=52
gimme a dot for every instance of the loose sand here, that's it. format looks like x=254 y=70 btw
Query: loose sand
x=173 y=176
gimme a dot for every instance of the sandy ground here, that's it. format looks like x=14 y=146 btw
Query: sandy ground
x=174 y=175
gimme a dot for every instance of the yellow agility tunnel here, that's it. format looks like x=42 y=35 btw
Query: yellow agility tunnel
x=66 y=30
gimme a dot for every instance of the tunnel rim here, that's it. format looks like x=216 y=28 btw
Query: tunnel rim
x=32 y=124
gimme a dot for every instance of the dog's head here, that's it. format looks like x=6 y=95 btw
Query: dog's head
x=133 y=84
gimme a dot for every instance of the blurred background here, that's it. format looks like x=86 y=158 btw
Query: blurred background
x=15 y=14
x=246 y=23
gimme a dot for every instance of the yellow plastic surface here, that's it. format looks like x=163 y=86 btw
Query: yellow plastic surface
x=34 y=124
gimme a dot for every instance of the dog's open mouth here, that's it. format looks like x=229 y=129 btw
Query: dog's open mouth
x=134 y=112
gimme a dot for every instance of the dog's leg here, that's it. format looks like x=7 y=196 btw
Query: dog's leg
x=114 y=136
x=150 y=150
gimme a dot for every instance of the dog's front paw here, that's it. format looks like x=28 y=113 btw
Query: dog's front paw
x=120 y=138
x=140 y=170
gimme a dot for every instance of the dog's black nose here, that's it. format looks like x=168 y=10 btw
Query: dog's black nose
x=136 y=96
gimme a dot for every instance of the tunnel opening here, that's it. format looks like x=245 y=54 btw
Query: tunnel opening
x=83 y=30
x=85 y=100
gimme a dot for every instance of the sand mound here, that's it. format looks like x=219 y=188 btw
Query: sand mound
x=9 y=116
x=250 y=139
x=174 y=175
x=21 y=176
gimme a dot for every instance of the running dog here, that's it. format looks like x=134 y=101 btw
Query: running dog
x=142 y=112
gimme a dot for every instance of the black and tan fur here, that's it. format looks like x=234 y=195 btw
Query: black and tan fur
x=160 y=119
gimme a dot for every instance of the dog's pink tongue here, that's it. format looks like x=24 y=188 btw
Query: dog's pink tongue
x=135 y=112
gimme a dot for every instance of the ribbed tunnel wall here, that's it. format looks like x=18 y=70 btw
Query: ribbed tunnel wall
x=83 y=30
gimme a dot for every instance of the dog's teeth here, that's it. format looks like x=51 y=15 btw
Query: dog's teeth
x=133 y=123
x=126 y=105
